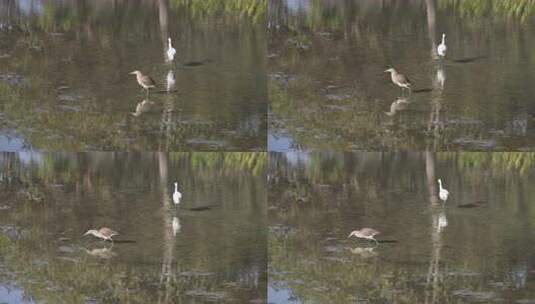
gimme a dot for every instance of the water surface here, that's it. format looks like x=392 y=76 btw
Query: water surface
x=476 y=248
x=65 y=82
x=212 y=248
x=328 y=90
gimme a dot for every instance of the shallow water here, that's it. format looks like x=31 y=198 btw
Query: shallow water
x=162 y=255
x=478 y=247
x=328 y=89
x=65 y=83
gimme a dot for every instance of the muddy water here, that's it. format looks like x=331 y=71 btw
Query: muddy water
x=478 y=247
x=210 y=249
x=328 y=89
x=65 y=83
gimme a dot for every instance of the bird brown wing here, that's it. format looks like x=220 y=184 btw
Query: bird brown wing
x=404 y=79
x=369 y=231
x=108 y=231
x=149 y=81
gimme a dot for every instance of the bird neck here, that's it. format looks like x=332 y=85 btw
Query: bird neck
x=176 y=187
x=443 y=39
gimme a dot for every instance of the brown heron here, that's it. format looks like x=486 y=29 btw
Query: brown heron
x=145 y=81
x=399 y=79
x=103 y=233
x=365 y=233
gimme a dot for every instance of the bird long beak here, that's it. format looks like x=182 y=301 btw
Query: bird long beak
x=350 y=235
x=387 y=71
x=133 y=73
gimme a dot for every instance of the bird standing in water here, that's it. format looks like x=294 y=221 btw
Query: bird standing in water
x=442 y=193
x=171 y=52
x=441 y=48
x=177 y=195
x=145 y=81
x=399 y=79
x=365 y=233
x=103 y=233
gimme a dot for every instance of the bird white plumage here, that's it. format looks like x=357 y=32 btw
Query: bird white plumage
x=171 y=52
x=175 y=226
x=441 y=48
x=177 y=195
x=171 y=81
x=442 y=193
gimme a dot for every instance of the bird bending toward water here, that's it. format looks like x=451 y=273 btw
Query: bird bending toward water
x=177 y=195
x=441 y=48
x=103 y=233
x=145 y=81
x=399 y=79
x=365 y=233
x=442 y=193
x=171 y=52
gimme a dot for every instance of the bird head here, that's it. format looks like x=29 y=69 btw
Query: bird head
x=390 y=70
x=91 y=231
x=353 y=233
x=135 y=72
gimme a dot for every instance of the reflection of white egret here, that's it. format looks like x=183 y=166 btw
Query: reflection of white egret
x=176 y=226
x=103 y=233
x=442 y=221
x=177 y=195
x=142 y=107
x=365 y=233
x=441 y=48
x=399 y=79
x=170 y=80
x=441 y=77
x=171 y=52
x=443 y=193
x=399 y=104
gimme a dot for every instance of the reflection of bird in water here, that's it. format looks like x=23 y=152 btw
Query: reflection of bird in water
x=171 y=52
x=176 y=226
x=103 y=233
x=103 y=253
x=171 y=81
x=177 y=196
x=143 y=107
x=441 y=48
x=399 y=79
x=440 y=77
x=365 y=252
x=399 y=104
x=442 y=193
x=442 y=221
x=365 y=233
x=145 y=81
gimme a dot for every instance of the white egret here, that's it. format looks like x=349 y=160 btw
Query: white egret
x=171 y=52
x=176 y=195
x=443 y=193
x=441 y=48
